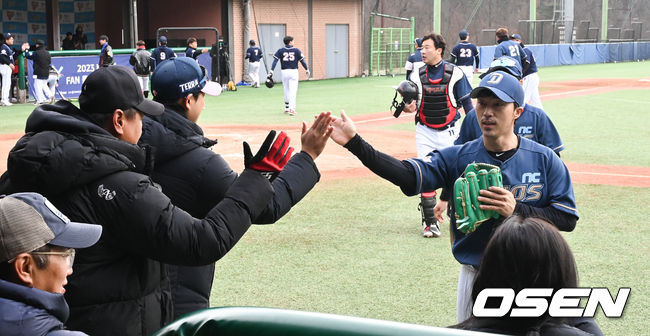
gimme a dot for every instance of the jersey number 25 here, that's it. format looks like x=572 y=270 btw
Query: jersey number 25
x=288 y=56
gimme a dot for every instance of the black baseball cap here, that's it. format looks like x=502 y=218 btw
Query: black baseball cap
x=115 y=87
x=103 y=37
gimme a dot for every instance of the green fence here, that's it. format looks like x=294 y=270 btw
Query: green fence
x=390 y=48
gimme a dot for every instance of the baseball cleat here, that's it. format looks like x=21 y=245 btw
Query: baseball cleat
x=291 y=112
x=6 y=104
x=431 y=231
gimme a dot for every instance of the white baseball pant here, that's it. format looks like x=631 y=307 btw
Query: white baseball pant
x=41 y=91
x=428 y=139
x=144 y=82
x=531 y=90
x=464 y=296
x=254 y=73
x=468 y=70
x=5 y=71
x=290 y=83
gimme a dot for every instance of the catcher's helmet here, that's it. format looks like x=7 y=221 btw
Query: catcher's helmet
x=408 y=90
x=269 y=82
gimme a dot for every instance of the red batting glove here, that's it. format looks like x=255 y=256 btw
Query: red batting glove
x=270 y=159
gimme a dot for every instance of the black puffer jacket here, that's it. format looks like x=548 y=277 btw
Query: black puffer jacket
x=194 y=177
x=120 y=285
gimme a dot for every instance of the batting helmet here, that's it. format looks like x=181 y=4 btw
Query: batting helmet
x=408 y=90
x=269 y=82
x=507 y=64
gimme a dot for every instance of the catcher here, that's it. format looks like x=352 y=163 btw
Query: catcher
x=534 y=179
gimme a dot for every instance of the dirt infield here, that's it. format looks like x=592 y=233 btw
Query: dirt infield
x=336 y=162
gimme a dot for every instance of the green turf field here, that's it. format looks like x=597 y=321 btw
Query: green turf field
x=353 y=247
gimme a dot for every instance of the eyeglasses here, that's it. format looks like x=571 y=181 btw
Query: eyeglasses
x=68 y=255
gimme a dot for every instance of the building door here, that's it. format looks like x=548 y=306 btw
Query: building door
x=270 y=36
x=336 y=50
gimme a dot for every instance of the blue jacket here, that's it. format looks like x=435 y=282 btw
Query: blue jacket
x=31 y=311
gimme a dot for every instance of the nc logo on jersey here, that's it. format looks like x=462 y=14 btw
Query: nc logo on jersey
x=523 y=130
x=530 y=177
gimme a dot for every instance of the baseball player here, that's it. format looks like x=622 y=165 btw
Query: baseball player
x=106 y=54
x=161 y=53
x=191 y=50
x=507 y=47
x=531 y=78
x=254 y=55
x=536 y=182
x=42 y=61
x=141 y=62
x=465 y=55
x=414 y=61
x=533 y=124
x=443 y=89
x=289 y=56
x=7 y=66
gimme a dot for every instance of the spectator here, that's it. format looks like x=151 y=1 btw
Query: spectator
x=140 y=59
x=184 y=154
x=67 y=43
x=87 y=163
x=528 y=253
x=106 y=54
x=37 y=245
x=79 y=40
x=42 y=62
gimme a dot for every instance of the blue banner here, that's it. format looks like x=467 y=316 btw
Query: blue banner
x=75 y=69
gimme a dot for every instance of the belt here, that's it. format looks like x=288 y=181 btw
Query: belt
x=440 y=129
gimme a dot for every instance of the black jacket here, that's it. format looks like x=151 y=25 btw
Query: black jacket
x=193 y=177
x=42 y=61
x=120 y=285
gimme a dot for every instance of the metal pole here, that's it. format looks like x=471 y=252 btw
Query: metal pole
x=603 y=22
x=372 y=20
x=135 y=22
x=568 y=21
x=412 y=34
x=532 y=13
x=247 y=27
x=436 y=16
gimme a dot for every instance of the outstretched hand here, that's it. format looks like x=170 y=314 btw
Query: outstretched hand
x=315 y=137
x=344 y=129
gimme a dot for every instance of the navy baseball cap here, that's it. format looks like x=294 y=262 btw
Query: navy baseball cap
x=28 y=221
x=463 y=34
x=505 y=86
x=179 y=76
x=8 y=36
x=418 y=41
x=507 y=64
x=162 y=39
x=515 y=36
x=115 y=87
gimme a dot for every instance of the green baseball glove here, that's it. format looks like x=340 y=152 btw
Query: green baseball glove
x=477 y=176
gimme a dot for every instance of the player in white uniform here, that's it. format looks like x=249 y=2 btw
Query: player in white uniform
x=289 y=56
x=531 y=78
x=254 y=55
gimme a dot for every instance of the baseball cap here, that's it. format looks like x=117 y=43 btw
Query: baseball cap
x=515 y=36
x=505 y=86
x=418 y=41
x=115 y=87
x=507 y=64
x=179 y=76
x=39 y=41
x=162 y=39
x=103 y=37
x=29 y=221
x=463 y=34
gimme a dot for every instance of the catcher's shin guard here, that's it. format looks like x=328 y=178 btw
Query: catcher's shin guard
x=427 y=203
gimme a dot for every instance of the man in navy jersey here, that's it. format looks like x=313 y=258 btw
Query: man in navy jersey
x=289 y=56
x=507 y=47
x=531 y=78
x=414 y=61
x=191 y=51
x=254 y=55
x=465 y=55
x=442 y=89
x=161 y=53
x=536 y=182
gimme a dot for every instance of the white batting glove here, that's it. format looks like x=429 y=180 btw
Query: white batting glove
x=270 y=73
x=307 y=72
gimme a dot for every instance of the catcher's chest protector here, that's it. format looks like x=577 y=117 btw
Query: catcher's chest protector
x=436 y=110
